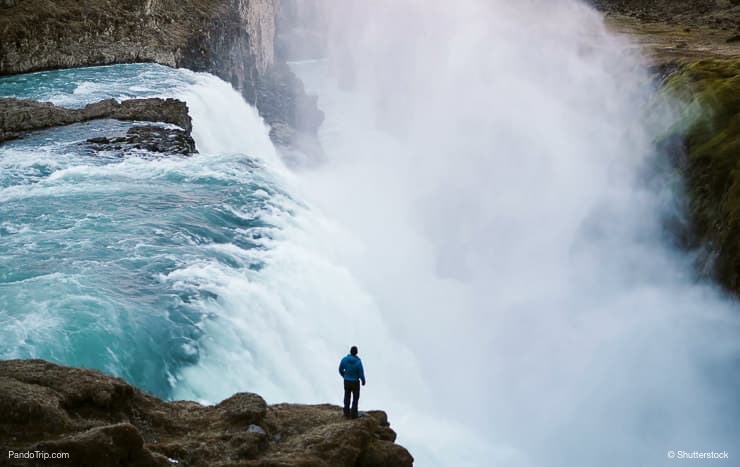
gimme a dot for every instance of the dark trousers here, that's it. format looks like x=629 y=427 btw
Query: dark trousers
x=351 y=391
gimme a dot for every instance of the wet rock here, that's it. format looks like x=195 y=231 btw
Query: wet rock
x=101 y=420
x=153 y=139
x=18 y=117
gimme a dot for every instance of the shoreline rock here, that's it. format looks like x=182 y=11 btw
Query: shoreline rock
x=102 y=420
x=19 y=117
x=150 y=138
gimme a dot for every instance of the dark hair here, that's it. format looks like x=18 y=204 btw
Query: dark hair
x=353 y=350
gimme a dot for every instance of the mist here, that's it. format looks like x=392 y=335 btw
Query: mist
x=492 y=177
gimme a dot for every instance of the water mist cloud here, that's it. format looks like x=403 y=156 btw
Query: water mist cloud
x=490 y=158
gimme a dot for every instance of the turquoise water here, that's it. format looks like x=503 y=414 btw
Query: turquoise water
x=87 y=240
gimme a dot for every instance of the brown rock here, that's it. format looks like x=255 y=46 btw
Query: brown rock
x=101 y=420
x=244 y=407
x=110 y=445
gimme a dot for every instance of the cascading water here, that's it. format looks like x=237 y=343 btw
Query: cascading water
x=483 y=229
x=89 y=240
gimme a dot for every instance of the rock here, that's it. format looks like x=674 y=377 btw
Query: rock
x=244 y=407
x=385 y=454
x=21 y=403
x=232 y=39
x=148 y=138
x=256 y=429
x=18 y=117
x=119 y=444
x=101 y=420
x=294 y=116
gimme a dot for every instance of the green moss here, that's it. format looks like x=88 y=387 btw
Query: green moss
x=710 y=91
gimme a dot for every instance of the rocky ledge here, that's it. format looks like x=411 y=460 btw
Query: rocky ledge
x=100 y=420
x=20 y=117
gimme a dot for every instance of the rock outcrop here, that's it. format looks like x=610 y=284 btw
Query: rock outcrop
x=232 y=39
x=101 y=420
x=19 y=117
x=149 y=138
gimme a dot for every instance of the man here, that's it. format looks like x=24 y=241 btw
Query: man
x=350 y=368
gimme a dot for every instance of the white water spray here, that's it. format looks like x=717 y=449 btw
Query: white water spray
x=489 y=161
x=483 y=232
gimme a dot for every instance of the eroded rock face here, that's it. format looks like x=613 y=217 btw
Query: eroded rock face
x=101 y=420
x=18 y=117
x=233 y=39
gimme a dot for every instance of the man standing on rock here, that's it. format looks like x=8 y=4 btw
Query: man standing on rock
x=350 y=368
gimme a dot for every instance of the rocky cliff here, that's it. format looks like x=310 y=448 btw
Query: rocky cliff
x=233 y=39
x=99 y=420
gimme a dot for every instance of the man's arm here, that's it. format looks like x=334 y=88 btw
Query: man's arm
x=341 y=368
x=362 y=373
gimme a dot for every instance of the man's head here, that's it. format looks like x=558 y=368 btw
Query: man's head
x=353 y=350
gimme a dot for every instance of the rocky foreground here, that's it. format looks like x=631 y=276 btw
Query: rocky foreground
x=100 y=420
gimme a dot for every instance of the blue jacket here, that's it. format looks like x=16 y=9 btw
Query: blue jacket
x=350 y=368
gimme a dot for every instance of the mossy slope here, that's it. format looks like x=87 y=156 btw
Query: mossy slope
x=710 y=90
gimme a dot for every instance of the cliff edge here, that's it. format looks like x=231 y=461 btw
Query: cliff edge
x=93 y=419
